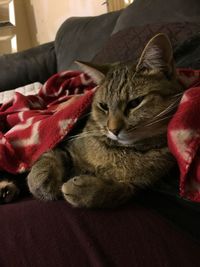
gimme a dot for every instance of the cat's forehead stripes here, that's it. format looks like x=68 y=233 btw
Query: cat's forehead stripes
x=117 y=79
x=121 y=85
x=123 y=81
x=116 y=86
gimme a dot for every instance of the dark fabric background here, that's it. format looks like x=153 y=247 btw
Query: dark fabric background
x=129 y=43
x=33 y=65
x=187 y=54
x=143 y=12
x=39 y=234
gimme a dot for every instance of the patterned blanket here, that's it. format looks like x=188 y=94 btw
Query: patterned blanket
x=184 y=136
x=30 y=125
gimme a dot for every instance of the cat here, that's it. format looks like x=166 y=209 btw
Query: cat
x=123 y=145
x=12 y=187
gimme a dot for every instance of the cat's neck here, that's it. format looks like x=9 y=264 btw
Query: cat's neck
x=156 y=142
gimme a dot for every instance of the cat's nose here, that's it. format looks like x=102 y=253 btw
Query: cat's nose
x=115 y=123
x=115 y=131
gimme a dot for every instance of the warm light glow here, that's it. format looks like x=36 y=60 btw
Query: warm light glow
x=4 y=2
x=127 y=2
x=14 y=44
x=12 y=20
x=12 y=13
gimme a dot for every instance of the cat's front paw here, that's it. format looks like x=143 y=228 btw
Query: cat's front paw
x=83 y=191
x=8 y=191
x=45 y=178
x=43 y=183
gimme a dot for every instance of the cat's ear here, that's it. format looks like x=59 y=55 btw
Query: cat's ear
x=157 y=56
x=96 y=72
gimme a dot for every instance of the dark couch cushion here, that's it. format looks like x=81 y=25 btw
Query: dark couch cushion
x=187 y=54
x=143 y=12
x=80 y=38
x=33 y=65
x=129 y=43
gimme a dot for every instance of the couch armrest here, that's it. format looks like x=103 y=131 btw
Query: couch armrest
x=32 y=65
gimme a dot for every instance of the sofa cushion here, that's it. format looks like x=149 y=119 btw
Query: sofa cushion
x=129 y=43
x=142 y=12
x=80 y=38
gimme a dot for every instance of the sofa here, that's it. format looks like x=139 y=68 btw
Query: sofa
x=157 y=227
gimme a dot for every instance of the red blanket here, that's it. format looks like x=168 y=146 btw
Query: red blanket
x=30 y=125
x=184 y=136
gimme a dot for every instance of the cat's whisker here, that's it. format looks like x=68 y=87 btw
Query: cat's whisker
x=85 y=115
x=160 y=116
x=83 y=135
x=191 y=97
x=168 y=109
x=79 y=137
x=157 y=121
x=177 y=95
x=141 y=126
x=194 y=97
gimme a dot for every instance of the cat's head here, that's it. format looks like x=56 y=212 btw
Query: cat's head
x=134 y=102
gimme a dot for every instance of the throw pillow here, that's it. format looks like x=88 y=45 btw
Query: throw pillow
x=129 y=43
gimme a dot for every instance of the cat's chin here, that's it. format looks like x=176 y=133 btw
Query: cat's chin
x=138 y=145
x=125 y=142
x=119 y=141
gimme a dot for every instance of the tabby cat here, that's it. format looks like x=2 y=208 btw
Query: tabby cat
x=123 y=145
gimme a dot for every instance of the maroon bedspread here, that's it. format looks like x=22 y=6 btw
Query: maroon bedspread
x=39 y=234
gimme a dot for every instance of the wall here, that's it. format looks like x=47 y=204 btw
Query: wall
x=118 y=4
x=45 y=16
x=22 y=29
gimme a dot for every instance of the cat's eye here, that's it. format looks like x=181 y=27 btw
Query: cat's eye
x=103 y=106
x=135 y=102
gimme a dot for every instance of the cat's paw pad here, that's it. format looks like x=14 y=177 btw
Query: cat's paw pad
x=8 y=191
x=83 y=181
x=82 y=191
